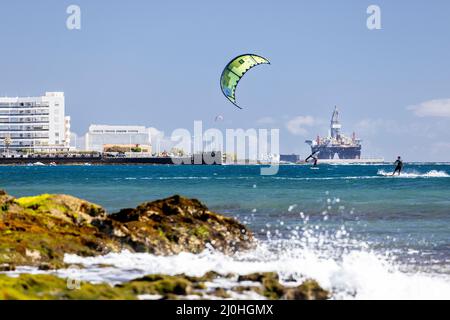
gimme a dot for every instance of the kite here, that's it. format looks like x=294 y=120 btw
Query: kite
x=235 y=70
x=218 y=118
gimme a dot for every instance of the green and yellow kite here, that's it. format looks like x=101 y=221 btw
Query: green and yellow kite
x=235 y=70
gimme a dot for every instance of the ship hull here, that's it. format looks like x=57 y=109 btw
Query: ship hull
x=332 y=152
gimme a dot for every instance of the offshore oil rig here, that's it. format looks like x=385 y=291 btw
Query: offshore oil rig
x=336 y=145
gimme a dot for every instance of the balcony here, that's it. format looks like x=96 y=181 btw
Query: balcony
x=23 y=114
x=21 y=121
x=17 y=106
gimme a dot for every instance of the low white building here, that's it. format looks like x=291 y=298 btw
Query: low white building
x=100 y=135
x=34 y=123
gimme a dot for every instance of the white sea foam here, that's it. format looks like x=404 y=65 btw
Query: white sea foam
x=380 y=174
x=356 y=273
x=352 y=274
x=414 y=174
x=325 y=178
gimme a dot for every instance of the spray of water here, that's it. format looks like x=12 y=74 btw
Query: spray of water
x=343 y=264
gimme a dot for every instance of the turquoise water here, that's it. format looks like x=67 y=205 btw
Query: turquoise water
x=407 y=217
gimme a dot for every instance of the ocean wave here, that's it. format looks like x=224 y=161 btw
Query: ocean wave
x=379 y=164
x=381 y=173
x=414 y=174
x=186 y=178
x=355 y=275
x=349 y=268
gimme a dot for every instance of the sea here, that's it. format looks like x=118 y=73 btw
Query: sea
x=361 y=233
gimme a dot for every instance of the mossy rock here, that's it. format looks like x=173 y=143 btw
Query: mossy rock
x=220 y=293
x=308 y=290
x=258 y=276
x=209 y=276
x=7 y=267
x=177 y=224
x=49 y=287
x=158 y=284
x=40 y=230
x=271 y=288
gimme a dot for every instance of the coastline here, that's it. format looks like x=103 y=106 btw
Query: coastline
x=106 y=160
x=41 y=231
x=99 y=161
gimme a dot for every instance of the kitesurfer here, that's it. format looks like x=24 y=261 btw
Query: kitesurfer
x=398 y=166
x=315 y=162
x=314 y=159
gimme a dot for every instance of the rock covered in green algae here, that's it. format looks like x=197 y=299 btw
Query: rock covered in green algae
x=157 y=286
x=258 y=276
x=178 y=224
x=49 y=287
x=271 y=288
x=39 y=230
x=308 y=290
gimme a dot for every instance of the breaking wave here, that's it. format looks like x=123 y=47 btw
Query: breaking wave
x=380 y=174
x=429 y=174
x=348 y=267
x=356 y=274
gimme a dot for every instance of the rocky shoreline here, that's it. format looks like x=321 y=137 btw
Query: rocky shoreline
x=38 y=231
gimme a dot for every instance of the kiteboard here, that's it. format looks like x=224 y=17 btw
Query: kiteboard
x=387 y=174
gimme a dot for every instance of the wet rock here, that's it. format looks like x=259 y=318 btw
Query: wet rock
x=258 y=276
x=39 y=230
x=158 y=284
x=177 y=224
x=210 y=276
x=271 y=288
x=7 y=267
x=46 y=287
x=308 y=290
x=242 y=289
x=220 y=293
x=45 y=266
x=30 y=287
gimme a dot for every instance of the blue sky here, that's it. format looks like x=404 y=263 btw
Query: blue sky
x=158 y=64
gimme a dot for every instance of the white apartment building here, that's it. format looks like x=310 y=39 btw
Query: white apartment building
x=34 y=123
x=100 y=135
